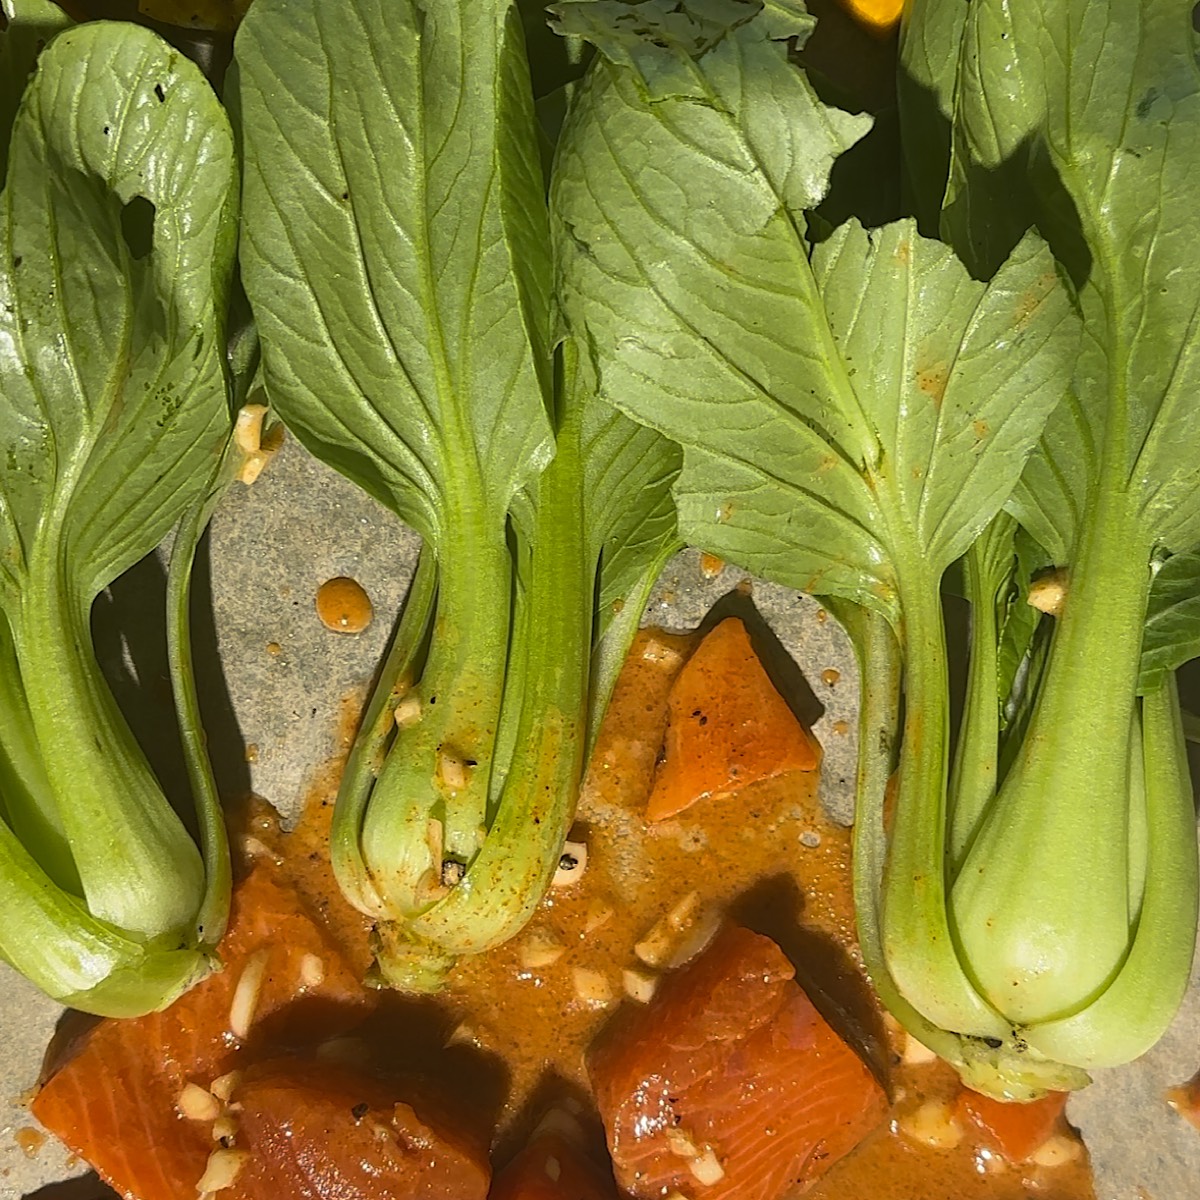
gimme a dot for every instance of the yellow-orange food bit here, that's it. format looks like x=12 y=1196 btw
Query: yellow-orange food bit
x=728 y=727
x=875 y=14
x=344 y=606
x=1185 y=1099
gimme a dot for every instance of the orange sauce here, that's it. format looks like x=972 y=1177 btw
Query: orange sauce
x=514 y=1025
x=343 y=605
x=30 y=1140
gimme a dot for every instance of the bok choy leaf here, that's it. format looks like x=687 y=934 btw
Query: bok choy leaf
x=1096 y=803
x=397 y=258
x=117 y=237
x=853 y=414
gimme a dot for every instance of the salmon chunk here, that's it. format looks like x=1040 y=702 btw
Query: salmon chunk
x=310 y=1130
x=730 y=1085
x=727 y=727
x=131 y=1100
x=552 y=1167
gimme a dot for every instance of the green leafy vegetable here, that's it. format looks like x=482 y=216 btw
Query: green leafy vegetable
x=854 y=415
x=1109 y=126
x=28 y=25
x=116 y=255
x=1172 y=635
x=397 y=258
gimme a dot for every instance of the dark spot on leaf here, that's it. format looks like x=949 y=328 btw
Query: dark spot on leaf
x=17 y=261
x=345 y=195
x=158 y=91
x=994 y=1042
x=107 y=131
x=137 y=226
x=1146 y=103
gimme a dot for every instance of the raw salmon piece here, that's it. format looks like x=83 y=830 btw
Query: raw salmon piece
x=728 y=727
x=1013 y=1130
x=730 y=1085
x=552 y=1168
x=114 y=1102
x=315 y=1131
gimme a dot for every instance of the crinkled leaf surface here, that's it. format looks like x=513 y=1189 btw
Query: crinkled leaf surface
x=801 y=391
x=117 y=239
x=1118 y=120
x=930 y=35
x=394 y=246
x=1172 y=635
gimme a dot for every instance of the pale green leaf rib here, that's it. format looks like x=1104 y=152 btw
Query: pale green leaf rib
x=1134 y=1011
x=629 y=524
x=28 y=805
x=212 y=915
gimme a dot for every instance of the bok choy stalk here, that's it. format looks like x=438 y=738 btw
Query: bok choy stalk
x=1073 y=882
x=853 y=413
x=396 y=255
x=117 y=226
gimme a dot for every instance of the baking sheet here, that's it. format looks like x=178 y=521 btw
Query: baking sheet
x=276 y=685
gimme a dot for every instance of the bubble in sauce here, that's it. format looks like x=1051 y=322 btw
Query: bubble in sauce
x=343 y=605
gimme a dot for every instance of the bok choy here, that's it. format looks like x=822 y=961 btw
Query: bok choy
x=855 y=413
x=1074 y=890
x=396 y=255
x=117 y=239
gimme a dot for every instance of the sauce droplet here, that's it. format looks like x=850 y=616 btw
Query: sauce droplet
x=30 y=1140
x=830 y=676
x=343 y=606
x=710 y=565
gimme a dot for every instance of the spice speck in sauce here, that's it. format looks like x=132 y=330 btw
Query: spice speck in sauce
x=343 y=605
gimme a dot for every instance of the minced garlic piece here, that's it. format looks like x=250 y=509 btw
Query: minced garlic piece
x=221 y=1170
x=197 y=1104
x=246 y=995
x=932 y=1124
x=592 y=987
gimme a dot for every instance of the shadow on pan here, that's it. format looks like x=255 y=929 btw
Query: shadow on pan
x=84 y=1187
